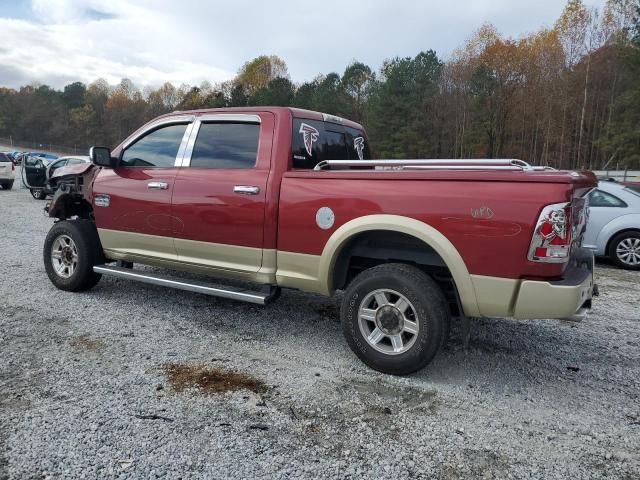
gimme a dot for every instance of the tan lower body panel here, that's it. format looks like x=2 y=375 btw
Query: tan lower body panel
x=495 y=296
x=215 y=259
x=545 y=300
x=490 y=296
x=300 y=271
x=228 y=257
x=529 y=299
x=131 y=243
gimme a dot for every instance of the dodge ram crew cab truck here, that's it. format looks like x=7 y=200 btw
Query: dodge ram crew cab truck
x=281 y=197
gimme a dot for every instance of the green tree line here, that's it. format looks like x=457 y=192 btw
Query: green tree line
x=566 y=96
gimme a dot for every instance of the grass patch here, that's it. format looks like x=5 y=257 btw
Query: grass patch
x=210 y=380
x=85 y=342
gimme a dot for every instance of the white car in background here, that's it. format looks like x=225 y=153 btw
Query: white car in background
x=613 y=229
x=7 y=171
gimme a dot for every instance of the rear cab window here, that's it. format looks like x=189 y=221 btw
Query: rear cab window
x=314 y=141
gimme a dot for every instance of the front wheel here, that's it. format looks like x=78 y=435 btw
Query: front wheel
x=624 y=250
x=71 y=250
x=395 y=318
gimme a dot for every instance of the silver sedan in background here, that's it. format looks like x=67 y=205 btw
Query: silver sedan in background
x=613 y=229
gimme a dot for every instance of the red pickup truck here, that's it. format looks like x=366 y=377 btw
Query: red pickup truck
x=281 y=197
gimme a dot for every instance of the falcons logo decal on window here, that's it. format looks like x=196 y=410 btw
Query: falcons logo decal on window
x=310 y=136
x=358 y=144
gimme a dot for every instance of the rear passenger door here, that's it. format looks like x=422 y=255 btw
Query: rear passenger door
x=220 y=192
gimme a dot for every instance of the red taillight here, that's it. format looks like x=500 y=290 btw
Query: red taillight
x=551 y=240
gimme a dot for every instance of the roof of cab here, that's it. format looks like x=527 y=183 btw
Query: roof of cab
x=295 y=112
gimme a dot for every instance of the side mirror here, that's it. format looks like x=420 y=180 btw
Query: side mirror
x=101 y=156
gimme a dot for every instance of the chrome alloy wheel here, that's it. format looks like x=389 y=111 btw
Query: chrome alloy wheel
x=388 y=321
x=628 y=251
x=64 y=256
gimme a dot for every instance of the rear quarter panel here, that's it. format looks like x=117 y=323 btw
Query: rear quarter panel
x=489 y=223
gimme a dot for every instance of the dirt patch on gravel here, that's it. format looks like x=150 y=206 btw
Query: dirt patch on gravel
x=85 y=342
x=210 y=380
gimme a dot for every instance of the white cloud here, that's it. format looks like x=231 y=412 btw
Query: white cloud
x=69 y=41
x=151 y=41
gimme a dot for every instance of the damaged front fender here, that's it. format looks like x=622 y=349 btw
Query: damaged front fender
x=72 y=186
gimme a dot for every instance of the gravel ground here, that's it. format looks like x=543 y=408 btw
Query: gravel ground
x=83 y=390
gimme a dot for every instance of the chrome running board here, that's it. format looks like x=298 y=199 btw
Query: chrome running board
x=232 y=293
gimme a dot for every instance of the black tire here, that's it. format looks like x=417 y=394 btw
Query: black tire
x=38 y=194
x=619 y=241
x=431 y=313
x=89 y=253
x=7 y=186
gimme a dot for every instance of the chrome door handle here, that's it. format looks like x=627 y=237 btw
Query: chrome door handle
x=246 y=189
x=158 y=185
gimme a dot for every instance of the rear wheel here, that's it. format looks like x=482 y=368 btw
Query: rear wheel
x=71 y=250
x=38 y=194
x=624 y=250
x=7 y=186
x=395 y=318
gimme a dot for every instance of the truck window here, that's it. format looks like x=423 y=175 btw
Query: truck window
x=313 y=141
x=336 y=145
x=226 y=145
x=156 y=149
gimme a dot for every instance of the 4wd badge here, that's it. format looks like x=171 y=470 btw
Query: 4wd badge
x=482 y=212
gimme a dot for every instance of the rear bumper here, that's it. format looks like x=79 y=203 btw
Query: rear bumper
x=569 y=298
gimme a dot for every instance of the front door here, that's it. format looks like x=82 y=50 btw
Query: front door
x=132 y=203
x=219 y=194
x=34 y=172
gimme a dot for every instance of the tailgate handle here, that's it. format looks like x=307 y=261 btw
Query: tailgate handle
x=246 y=189
x=158 y=185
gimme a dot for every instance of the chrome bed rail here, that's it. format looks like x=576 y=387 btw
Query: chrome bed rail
x=431 y=164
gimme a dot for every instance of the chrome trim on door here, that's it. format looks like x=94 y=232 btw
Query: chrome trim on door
x=246 y=189
x=183 y=146
x=158 y=185
x=213 y=117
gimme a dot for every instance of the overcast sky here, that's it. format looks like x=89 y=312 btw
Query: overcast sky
x=188 y=41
